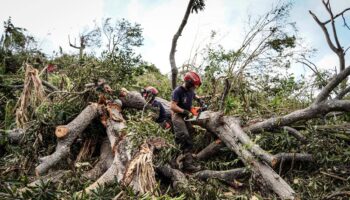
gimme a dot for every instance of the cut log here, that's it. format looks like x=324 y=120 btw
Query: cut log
x=61 y=131
x=228 y=130
x=105 y=161
x=75 y=128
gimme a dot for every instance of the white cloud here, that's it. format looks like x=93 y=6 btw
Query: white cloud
x=52 y=21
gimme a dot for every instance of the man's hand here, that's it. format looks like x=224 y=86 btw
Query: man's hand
x=188 y=114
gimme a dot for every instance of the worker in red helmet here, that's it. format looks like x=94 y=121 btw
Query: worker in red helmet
x=163 y=118
x=181 y=104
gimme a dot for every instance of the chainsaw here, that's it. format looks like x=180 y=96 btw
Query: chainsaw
x=196 y=111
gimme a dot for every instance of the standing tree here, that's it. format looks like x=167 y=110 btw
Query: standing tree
x=193 y=5
x=87 y=39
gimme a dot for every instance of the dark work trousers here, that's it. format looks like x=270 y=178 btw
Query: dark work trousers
x=183 y=132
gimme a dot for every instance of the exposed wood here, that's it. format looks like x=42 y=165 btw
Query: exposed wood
x=122 y=153
x=75 y=128
x=61 y=131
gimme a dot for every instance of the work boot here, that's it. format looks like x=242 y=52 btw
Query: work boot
x=190 y=164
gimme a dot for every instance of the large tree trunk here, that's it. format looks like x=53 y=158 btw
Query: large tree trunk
x=66 y=136
x=230 y=133
x=174 y=70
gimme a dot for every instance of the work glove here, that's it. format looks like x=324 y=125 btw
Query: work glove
x=187 y=114
x=201 y=102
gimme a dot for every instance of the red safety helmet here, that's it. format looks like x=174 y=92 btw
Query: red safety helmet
x=149 y=92
x=193 y=78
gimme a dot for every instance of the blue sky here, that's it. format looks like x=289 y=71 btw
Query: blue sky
x=52 y=20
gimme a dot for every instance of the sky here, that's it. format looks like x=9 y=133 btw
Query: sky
x=51 y=21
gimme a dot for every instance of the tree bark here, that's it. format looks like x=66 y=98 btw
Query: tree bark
x=227 y=131
x=294 y=157
x=295 y=133
x=298 y=115
x=177 y=178
x=174 y=70
x=105 y=161
x=210 y=150
x=129 y=168
x=74 y=129
x=227 y=176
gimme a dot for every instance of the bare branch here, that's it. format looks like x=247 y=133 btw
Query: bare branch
x=336 y=16
x=325 y=31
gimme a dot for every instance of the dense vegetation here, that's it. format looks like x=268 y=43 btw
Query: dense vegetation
x=252 y=83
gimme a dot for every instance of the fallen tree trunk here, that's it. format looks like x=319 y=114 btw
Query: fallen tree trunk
x=67 y=134
x=227 y=130
x=304 y=114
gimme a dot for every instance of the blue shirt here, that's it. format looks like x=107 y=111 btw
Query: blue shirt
x=183 y=97
x=163 y=114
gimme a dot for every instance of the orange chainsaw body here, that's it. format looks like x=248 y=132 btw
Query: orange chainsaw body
x=195 y=110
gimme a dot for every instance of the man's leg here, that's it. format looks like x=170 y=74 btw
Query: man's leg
x=182 y=136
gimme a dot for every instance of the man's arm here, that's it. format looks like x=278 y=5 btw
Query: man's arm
x=175 y=108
